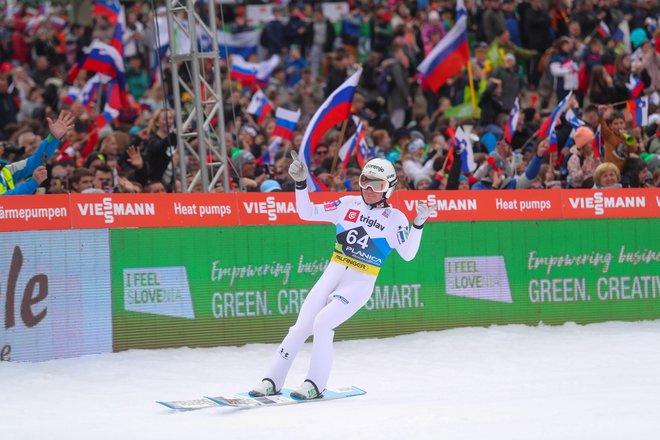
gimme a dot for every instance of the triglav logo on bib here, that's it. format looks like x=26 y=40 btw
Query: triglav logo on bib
x=352 y=215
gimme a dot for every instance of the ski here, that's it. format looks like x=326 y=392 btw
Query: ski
x=244 y=401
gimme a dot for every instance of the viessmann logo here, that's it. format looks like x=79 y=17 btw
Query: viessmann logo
x=459 y=204
x=271 y=207
x=600 y=202
x=109 y=209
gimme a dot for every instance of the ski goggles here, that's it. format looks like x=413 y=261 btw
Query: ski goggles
x=377 y=185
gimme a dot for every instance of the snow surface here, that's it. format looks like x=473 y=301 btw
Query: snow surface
x=598 y=381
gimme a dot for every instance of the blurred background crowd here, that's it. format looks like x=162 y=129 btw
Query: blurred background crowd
x=527 y=55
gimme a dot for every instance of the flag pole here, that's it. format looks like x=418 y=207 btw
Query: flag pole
x=339 y=144
x=471 y=80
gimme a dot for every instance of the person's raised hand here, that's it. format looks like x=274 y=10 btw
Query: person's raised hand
x=544 y=146
x=135 y=157
x=424 y=210
x=40 y=174
x=61 y=126
x=297 y=169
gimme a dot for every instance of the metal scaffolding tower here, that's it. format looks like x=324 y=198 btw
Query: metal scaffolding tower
x=194 y=123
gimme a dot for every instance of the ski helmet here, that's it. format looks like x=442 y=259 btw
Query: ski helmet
x=379 y=170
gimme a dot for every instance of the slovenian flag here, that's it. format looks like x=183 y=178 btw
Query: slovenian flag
x=450 y=54
x=161 y=48
x=58 y=22
x=117 y=40
x=598 y=144
x=363 y=153
x=635 y=86
x=72 y=95
x=90 y=89
x=268 y=157
x=260 y=106
x=554 y=119
x=240 y=43
x=102 y=58
x=335 y=109
x=639 y=108
x=107 y=8
x=349 y=148
x=112 y=106
x=468 y=165
x=512 y=122
x=285 y=123
x=265 y=69
x=243 y=71
x=575 y=122
x=603 y=30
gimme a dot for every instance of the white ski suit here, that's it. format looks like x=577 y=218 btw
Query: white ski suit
x=365 y=236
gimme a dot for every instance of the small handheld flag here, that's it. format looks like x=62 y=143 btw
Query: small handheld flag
x=285 y=123
x=260 y=106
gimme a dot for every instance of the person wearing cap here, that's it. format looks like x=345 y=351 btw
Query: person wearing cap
x=368 y=229
x=270 y=185
x=433 y=25
x=512 y=82
x=244 y=169
x=422 y=182
x=413 y=162
x=479 y=60
x=12 y=174
x=581 y=162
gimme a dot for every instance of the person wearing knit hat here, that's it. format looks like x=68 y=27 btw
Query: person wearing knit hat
x=412 y=160
x=244 y=171
x=422 y=182
x=463 y=182
x=581 y=162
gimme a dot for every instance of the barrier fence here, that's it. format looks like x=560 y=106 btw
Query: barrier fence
x=119 y=272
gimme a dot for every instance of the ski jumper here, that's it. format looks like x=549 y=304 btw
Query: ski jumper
x=365 y=236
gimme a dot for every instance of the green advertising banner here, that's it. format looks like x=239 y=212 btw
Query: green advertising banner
x=234 y=285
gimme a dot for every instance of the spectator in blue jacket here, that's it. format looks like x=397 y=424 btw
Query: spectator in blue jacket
x=12 y=174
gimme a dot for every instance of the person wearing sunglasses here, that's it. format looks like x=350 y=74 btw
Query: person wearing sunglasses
x=368 y=229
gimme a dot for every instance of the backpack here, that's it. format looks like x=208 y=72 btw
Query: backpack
x=563 y=170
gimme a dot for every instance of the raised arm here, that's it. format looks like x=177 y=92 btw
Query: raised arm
x=307 y=210
x=409 y=246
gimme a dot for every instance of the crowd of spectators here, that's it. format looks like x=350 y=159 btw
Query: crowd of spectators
x=537 y=51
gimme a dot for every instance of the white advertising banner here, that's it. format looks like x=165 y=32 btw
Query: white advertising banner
x=478 y=277
x=55 y=297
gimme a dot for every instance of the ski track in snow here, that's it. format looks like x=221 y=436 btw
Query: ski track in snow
x=598 y=381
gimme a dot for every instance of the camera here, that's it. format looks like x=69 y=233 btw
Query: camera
x=12 y=149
